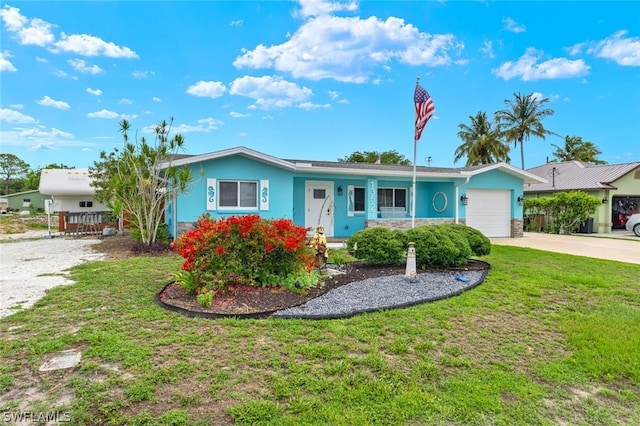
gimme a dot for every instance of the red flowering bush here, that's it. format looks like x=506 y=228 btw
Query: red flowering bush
x=245 y=250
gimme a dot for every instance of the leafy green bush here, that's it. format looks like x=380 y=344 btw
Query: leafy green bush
x=379 y=246
x=437 y=246
x=564 y=211
x=245 y=250
x=480 y=245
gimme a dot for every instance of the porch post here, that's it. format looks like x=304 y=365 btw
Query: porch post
x=372 y=198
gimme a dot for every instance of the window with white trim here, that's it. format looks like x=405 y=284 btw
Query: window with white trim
x=392 y=197
x=358 y=199
x=237 y=194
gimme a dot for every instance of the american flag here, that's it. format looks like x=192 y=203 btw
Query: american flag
x=424 y=109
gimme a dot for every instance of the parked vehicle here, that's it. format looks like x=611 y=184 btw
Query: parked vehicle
x=633 y=224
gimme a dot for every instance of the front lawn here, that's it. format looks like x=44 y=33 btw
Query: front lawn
x=548 y=339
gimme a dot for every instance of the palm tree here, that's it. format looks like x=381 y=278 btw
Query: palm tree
x=523 y=119
x=577 y=149
x=482 y=144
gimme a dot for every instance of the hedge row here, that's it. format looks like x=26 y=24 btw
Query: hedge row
x=436 y=245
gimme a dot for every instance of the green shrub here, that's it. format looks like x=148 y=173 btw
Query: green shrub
x=438 y=247
x=378 y=246
x=480 y=245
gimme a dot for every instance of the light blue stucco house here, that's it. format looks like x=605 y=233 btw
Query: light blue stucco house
x=348 y=197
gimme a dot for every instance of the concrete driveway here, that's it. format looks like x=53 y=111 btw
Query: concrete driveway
x=620 y=246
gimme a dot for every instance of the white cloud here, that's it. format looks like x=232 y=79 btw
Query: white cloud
x=81 y=66
x=269 y=92
x=12 y=18
x=96 y=92
x=238 y=115
x=487 y=49
x=103 y=114
x=125 y=101
x=211 y=123
x=87 y=45
x=528 y=68
x=28 y=31
x=237 y=23
x=5 y=64
x=17 y=106
x=63 y=74
x=309 y=106
x=37 y=139
x=350 y=49
x=141 y=74
x=48 y=102
x=333 y=94
x=156 y=99
x=623 y=50
x=207 y=89
x=309 y=8
x=513 y=26
x=11 y=116
x=37 y=32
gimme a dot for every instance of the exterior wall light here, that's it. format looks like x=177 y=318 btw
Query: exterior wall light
x=605 y=201
x=521 y=200
x=340 y=190
x=464 y=199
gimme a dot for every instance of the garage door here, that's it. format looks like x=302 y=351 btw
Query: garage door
x=489 y=211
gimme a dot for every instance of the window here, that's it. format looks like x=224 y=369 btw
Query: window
x=358 y=199
x=319 y=194
x=83 y=204
x=392 y=197
x=238 y=194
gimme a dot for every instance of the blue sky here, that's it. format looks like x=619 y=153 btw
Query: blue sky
x=311 y=79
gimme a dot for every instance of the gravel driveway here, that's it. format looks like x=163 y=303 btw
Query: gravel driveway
x=30 y=267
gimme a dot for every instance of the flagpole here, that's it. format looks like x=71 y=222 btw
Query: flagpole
x=415 y=155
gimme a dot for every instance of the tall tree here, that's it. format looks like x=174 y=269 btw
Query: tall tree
x=481 y=142
x=11 y=168
x=385 y=157
x=141 y=179
x=523 y=119
x=576 y=149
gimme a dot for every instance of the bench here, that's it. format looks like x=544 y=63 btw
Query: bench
x=393 y=212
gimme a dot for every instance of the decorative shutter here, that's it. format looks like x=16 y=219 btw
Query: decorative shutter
x=211 y=194
x=264 y=195
x=350 y=200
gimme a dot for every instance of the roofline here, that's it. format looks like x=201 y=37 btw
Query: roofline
x=527 y=177
x=307 y=167
x=240 y=150
x=377 y=172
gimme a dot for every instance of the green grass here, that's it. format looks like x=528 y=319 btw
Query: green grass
x=547 y=339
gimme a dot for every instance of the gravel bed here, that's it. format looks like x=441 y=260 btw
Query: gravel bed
x=374 y=294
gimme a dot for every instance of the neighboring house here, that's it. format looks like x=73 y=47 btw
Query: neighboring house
x=348 y=197
x=617 y=185
x=26 y=200
x=72 y=197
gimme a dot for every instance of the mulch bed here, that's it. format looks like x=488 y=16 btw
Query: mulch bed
x=258 y=302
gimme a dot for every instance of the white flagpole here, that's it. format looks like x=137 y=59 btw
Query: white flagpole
x=415 y=152
x=413 y=198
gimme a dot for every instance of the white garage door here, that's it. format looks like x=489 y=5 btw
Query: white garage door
x=489 y=211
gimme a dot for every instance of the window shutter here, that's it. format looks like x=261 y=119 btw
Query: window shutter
x=211 y=194
x=264 y=195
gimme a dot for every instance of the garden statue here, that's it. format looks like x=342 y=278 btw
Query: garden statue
x=319 y=243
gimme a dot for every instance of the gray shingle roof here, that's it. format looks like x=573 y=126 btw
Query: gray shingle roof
x=576 y=175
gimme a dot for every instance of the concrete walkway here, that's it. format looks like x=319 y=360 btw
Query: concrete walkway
x=620 y=246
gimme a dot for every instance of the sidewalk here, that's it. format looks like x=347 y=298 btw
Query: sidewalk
x=620 y=246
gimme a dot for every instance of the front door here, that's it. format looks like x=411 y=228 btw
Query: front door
x=319 y=206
